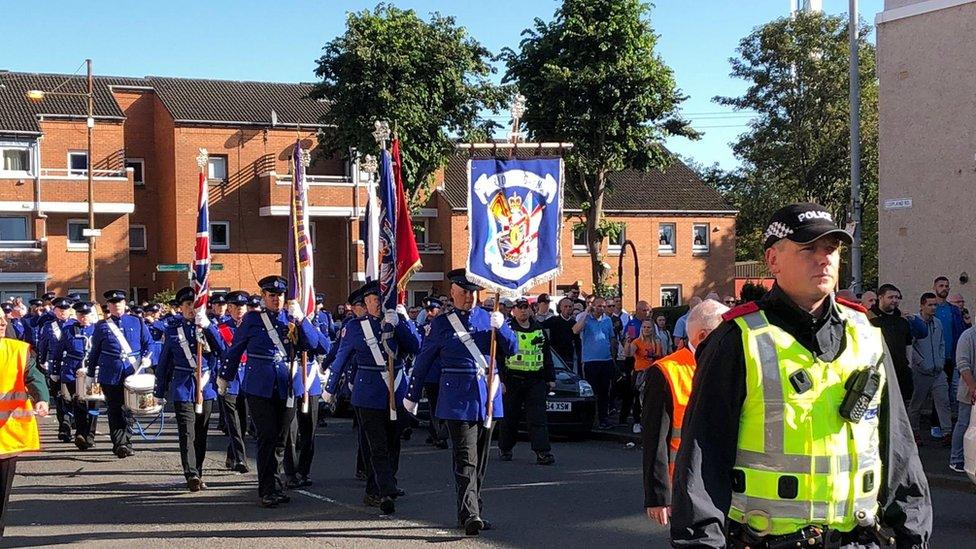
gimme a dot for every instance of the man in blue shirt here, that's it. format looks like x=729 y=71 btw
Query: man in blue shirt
x=596 y=331
x=952 y=326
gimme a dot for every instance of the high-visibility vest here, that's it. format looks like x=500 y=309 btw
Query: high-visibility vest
x=18 y=428
x=798 y=462
x=529 y=355
x=679 y=370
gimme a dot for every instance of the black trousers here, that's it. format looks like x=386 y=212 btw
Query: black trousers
x=436 y=428
x=192 y=428
x=8 y=466
x=521 y=392
x=300 y=444
x=118 y=425
x=626 y=391
x=86 y=414
x=470 y=441
x=271 y=419
x=235 y=417
x=380 y=444
x=61 y=407
x=599 y=373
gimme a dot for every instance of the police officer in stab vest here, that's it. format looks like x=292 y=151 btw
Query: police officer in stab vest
x=264 y=336
x=528 y=376
x=120 y=345
x=461 y=340
x=74 y=348
x=362 y=355
x=177 y=369
x=795 y=434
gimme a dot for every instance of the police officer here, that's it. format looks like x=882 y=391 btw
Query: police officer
x=528 y=376
x=234 y=408
x=461 y=340
x=48 y=353
x=73 y=351
x=263 y=335
x=177 y=368
x=773 y=453
x=362 y=355
x=120 y=345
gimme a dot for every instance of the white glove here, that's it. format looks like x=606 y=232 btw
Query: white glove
x=160 y=401
x=295 y=311
x=410 y=406
x=497 y=319
x=145 y=363
x=222 y=385
x=391 y=318
x=81 y=371
x=201 y=319
x=55 y=378
x=401 y=309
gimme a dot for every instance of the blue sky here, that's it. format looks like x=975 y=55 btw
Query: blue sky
x=280 y=41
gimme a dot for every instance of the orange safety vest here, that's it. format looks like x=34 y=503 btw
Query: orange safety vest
x=679 y=370
x=18 y=428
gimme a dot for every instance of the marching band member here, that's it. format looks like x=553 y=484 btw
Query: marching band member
x=300 y=444
x=74 y=349
x=268 y=382
x=48 y=353
x=362 y=347
x=120 y=345
x=234 y=404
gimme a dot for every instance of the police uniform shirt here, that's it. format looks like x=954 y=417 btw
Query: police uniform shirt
x=113 y=364
x=703 y=480
x=75 y=343
x=463 y=390
x=178 y=370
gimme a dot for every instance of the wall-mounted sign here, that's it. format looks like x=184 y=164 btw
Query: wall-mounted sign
x=897 y=203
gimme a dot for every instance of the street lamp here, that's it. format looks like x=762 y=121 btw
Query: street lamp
x=37 y=96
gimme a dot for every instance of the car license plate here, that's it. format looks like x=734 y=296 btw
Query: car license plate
x=559 y=406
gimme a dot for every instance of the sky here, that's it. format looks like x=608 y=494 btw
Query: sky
x=280 y=40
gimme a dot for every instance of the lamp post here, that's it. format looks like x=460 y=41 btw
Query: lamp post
x=38 y=96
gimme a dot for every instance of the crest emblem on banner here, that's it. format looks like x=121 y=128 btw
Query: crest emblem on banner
x=515 y=215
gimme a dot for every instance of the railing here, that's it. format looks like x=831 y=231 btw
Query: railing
x=429 y=247
x=68 y=173
x=317 y=180
x=25 y=245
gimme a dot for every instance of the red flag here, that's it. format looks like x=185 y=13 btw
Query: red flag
x=407 y=256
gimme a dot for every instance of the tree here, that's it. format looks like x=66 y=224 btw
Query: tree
x=798 y=146
x=591 y=77
x=429 y=79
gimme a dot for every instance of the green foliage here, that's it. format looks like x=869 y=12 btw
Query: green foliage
x=164 y=296
x=798 y=146
x=429 y=79
x=591 y=76
x=606 y=229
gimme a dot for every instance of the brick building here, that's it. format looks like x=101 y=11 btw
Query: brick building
x=146 y=139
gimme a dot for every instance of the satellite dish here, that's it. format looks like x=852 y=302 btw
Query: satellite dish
x=274 y=118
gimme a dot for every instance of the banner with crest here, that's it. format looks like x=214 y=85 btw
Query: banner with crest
x=515 y=215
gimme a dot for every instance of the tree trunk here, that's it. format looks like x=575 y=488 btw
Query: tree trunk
x=593 y=239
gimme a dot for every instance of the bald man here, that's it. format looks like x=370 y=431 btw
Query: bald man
x=666 y=392
x=680 y=327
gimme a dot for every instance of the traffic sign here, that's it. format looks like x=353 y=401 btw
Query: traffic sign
x=173 y=267
x=216 y=266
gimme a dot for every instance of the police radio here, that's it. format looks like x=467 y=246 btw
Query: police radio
x=861 y=387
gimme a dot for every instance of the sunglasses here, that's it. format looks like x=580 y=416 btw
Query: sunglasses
x=730 y=302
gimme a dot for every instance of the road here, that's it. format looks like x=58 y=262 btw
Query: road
x=591 y=497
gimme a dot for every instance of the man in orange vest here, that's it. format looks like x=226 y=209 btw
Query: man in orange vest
x=666 y=391
x=21 y=383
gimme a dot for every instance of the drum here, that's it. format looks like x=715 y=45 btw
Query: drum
x=87 y=388
x=139 y=397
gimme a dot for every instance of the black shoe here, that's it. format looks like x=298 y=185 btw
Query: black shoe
x=241 y=467
x=293 y=482
x=505 y=456
x=387 y=505
x=281 y=497
x=124 y=452
x=487 y=525
x=64 y=437
x=442 y=444
x=360 y=475
x=81 y=442
x=473 y=526
x=406 y=434
x=229 y=464
x=544 y=458
x=399 y=493
x=193 y=484
x=269 y=501
x=306 y=481
x=370 y=500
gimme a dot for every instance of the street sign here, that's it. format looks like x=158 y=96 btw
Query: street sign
x=897 y=203
x=216 y=266
x=173 y=267
x=91 y=232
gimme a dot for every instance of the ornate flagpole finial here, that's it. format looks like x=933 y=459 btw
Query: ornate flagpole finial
x=202 y=159
x=381 y=133
x=517 y=109
x=370 y=165
x=306 y=157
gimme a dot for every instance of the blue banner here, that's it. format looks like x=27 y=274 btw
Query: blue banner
x=515 y=214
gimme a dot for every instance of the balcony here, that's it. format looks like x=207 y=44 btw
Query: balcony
x=328 y=195
x=26 y=257
x=61 y=190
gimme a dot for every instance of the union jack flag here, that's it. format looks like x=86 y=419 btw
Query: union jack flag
x=201 y=262
x=301 y=286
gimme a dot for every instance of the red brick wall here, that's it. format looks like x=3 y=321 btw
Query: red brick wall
x=68 y=268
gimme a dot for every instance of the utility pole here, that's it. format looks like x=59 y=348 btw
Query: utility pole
x=92 y=233
x=855 y=92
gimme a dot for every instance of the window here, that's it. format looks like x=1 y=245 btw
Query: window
x=76 y=238
x=77 y=163
x=15 y=158
x=220 y=235
x=665 y=238
x=579 y=239
x=138 y=166
x=699 y=243
x=137 y=238
x=217 y=170
x=420 y=230
x=417 y=297
x=13 y=228
x=616 y=242
x=670 y=296
x=311 y=233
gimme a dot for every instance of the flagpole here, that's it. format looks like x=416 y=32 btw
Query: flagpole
x=299 y=275
x=491 y=367
x=381 y=135
x=202 y=162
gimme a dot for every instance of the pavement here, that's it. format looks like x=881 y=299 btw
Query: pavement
x=591 y=497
